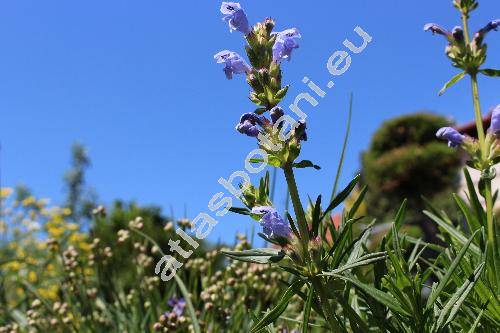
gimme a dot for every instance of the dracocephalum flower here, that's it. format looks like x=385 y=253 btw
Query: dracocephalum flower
x=285 y=44
x=272 y=223
x=495 y=120
x=235 y=16
x=233 y=63
x=454 y=138
x=250 y=124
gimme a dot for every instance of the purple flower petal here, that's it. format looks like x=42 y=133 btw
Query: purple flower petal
x=235 y=16
x=285 y=44
x=495 y=120
x=454 y=138
x=233 y=63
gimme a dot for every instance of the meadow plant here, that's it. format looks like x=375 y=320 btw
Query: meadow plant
x=314 y=276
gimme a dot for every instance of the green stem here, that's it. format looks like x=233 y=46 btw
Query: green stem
x=297 y=205
x=325 y=305
x=482 y=141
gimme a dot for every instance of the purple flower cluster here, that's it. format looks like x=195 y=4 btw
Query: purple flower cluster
x=272 y=223
x=454 y=138
x=250 y=124
x=237 y=20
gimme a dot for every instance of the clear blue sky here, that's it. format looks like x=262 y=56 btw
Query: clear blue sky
x=135 y=81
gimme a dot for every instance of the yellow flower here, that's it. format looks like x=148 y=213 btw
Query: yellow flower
x=29 y=201
x=32 y=277
x=13 y=266
x=50 y=292
x=55 y=232
x=5 y=192
x=73 y=226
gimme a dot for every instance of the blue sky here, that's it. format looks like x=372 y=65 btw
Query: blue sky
x=135 y=81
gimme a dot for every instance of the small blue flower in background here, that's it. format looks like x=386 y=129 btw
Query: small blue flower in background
x=177 y=305
x=454 y=138
x=235 y=16
x=249 y=124
x=273 y=224
x=233 y=62
x=495 y=120
x=285 y=43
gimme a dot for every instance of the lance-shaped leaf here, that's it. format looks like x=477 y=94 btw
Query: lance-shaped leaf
x=490 y=72
x=453 y=80
x=259 y=256
x=306 y=164
x=339 y=198
x=274 y=314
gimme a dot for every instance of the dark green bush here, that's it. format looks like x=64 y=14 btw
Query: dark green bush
x=405 y=160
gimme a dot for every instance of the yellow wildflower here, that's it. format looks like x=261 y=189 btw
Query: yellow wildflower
x=5 y=192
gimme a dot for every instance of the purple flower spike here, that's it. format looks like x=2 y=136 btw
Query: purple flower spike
x=285 y=43
x=454 y=138
x=233 y=63
x=249 y=124
x=235 y=16
x=495 y=120
x=272 y=223
x=177 y=305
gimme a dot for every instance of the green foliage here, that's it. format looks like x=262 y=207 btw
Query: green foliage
x=406 y=161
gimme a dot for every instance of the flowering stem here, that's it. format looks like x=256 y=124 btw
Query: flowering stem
x=297 y=206
x=482 y=141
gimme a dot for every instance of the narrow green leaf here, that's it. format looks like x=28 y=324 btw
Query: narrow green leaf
x=451 y=269
x=378 y=295
x=453 y=80
x=259 y=256
x=316 y=217
x=450 y=229
x=339 y=198
x=344 y=146
x=274 y=314
x=490 y=72
x=359 y=200
x=306 y=164
x=307 y=311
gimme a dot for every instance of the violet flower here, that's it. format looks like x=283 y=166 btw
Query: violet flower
x=285 y=43
x=454 y=138
x=272 y=223
x=479 y=36
x=495 y=120
x=276 y=114
x=177 y=305
x=235 y=16
x=233 y=63
x=436 y=29
x=250 y=124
